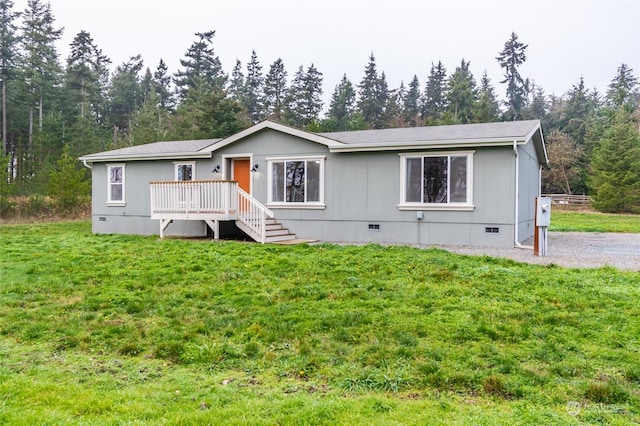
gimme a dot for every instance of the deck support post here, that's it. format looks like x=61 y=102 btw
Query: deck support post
x=215 y=227
x=164 y=223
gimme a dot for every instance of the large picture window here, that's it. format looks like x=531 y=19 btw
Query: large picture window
x=115 y=188
x=438 y=180
x=296 y=181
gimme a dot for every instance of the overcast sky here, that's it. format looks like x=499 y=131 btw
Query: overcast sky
x=567 y=38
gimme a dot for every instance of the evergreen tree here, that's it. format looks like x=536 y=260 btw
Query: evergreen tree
x=236 y=84
x=512 y=56
x=304 y=99
x=252 y=95
x=125 y=96
x=85 y=73
x=275 y=91
x=162 y=86
x=434 y=103
x=67 y=183
x=202 y=69
x=206 y=115
x=151 y=122
x=461 y=94
x=538 y=107
x=341 y=107
x=487 y=108
x=372 y=96
x=411 y=110
x=41 y=74
x=577 y=113
x=8 y=59
x=624 y=90
x=42 y=70
x=615 y=166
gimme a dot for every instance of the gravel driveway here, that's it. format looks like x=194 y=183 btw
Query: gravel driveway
x=573 y=250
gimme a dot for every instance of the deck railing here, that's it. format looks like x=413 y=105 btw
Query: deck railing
x=253 y=215
x=184 y=197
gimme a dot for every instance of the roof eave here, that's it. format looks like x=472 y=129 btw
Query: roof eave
x=475 y=143
x=140 y=157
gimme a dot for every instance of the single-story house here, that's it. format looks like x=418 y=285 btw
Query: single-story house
x=472 y=184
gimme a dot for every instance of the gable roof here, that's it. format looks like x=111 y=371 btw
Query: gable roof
x=407 y=138
x=313 y=137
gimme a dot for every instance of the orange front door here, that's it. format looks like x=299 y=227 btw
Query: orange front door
x=242 y=174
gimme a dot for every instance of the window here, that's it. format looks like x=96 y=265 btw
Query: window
x=115 y=189
x=296 y=181
x=439 y=180
x=185 y=171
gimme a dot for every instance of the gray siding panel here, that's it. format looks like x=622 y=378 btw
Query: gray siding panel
x=360 y=189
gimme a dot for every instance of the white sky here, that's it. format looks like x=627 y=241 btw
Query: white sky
x=567 y=38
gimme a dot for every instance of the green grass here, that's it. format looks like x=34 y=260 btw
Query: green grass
x=578 y=221
x=101 y=329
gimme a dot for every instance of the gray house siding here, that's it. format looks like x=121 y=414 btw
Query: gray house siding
x=362 y=190
x=134 y=216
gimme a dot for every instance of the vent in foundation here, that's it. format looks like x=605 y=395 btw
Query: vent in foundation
x=492 y=230
x=374 y=227
x=102 y=219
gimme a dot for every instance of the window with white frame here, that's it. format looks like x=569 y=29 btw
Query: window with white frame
x=185 y=171
x=438 y=180
x=296 y=181
x=115 y=189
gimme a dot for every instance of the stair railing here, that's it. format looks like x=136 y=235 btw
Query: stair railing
x=253 y=214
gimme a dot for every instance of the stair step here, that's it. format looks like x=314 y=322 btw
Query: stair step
x=275 y=238
x=279 y=231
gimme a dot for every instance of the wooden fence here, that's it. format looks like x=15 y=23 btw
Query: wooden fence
x=565 y=200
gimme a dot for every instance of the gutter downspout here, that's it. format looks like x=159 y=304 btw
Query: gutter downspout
x=515 y=210
x=86 y=164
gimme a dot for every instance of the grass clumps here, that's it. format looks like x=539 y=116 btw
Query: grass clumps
x=278 y=334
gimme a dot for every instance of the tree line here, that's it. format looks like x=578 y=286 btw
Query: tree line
x=53 y=112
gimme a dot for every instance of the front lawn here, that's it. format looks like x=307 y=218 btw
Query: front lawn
x=99 y=329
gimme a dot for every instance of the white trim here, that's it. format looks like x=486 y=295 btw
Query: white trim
x=309 y=204
x=177 y=164
x=467 y=206
x=273 y=126
x=116 y=203
x=228 y=174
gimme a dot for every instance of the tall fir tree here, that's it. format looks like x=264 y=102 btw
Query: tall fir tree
x=510 y=58
x=434 y=102
x=342 y=107
x=275 y=91
x=162 y=86
x=125 y=98
x=8 y=63
x=461 y=94
x=252 y=94
x=487 y=108
x=624 y=90
x=411 y=110
x=236 y=82
x=42 y=78
x=201 y=67
x=85 y=72
x=304 y=98
x=615 y=166
x=538 y=106
x=372 y=96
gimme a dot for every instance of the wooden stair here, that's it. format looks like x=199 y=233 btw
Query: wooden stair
x=275 y=232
